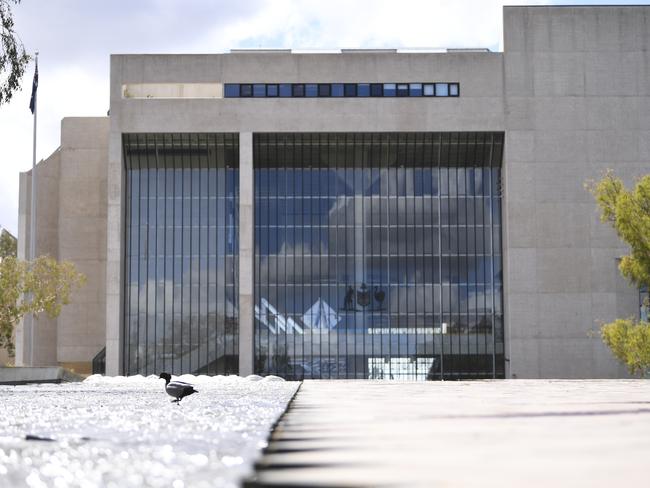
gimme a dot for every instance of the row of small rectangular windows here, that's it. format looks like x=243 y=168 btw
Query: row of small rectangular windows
x=300 y=90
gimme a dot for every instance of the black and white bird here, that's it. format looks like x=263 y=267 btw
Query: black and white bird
x=177 y=389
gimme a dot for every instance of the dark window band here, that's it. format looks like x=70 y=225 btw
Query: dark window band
x=337 y=90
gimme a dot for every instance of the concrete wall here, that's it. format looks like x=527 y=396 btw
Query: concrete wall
x=576 y=80
x=71 y=225
x=82 y=237
x=44 y=330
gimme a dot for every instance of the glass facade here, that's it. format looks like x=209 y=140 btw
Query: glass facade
x=181 y=253
x=378 y=255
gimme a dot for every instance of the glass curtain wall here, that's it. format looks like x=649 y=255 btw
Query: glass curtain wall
x=378 y=255
x=181 y=253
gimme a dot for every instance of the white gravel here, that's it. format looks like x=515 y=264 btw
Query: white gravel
x=125 y=432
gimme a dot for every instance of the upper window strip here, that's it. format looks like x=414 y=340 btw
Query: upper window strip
x=336 y=90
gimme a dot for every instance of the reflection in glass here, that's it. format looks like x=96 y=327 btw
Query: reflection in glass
x=378 y=255
x=181 y=253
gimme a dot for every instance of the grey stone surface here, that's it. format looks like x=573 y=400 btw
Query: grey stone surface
x=71 y=223
x=572 y=78
x=26 y=375
x=246 y=254
x=42 y=333
x=488 y=433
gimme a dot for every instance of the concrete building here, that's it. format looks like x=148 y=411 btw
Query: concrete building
x=360 y=214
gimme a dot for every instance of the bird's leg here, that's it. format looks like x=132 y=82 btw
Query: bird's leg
x=175 y=401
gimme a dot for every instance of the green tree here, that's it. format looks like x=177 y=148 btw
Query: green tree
x=628 y=212
x=40 y=286
x=8 y=244
x=13 y=58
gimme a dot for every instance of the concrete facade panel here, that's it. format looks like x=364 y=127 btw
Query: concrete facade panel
x=587 y=113
x=563 y=270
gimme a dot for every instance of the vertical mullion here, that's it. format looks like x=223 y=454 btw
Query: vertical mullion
x=219 y=151
x=359 y=168
x=141 y=254
x=288 y=310
x=317 y=140
x=334 y=168
x=470 y=183
x=222 y=219
x=417 y=230
x=458 y=252
x=389 y=258
x=211 y=323
x=182 y=255
x=256 y=254
x=380 y=260
x=173 y=270
x=440 y=256
x=343 y=140
x=164 y=258
x=492 y=285
x=370 y=260
x=282 y=365
x=192 y=325
x=126 y=352
x=154 y=168
x=148 y=257
x=199 y=170
x=430 y=159
x=276 y=287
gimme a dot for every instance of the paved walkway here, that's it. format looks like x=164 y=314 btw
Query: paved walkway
x=509 y=433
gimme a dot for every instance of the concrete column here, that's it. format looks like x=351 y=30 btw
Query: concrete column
x=114 y=254
x=246 y=205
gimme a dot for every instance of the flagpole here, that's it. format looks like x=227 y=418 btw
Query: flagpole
x=32 y=218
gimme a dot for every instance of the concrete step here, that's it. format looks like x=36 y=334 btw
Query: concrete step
x=28 y=375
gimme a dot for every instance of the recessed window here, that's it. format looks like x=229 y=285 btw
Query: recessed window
x=415 y=89
x=363 y=90
x=231 y=90
x=350 y=90
x=389 y=89
x=245 y=90
x=271 y=90
x=337 y=90
x=298 y=90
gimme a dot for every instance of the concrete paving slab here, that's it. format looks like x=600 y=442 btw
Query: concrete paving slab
x=484 y=433
x=46 y=374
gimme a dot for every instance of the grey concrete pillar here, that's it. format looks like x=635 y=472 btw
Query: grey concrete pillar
x=246 y=205
x=114 y=256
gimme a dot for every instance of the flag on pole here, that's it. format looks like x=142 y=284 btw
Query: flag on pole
x=32 y=102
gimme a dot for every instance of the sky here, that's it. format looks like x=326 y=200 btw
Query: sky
x=75 y=38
